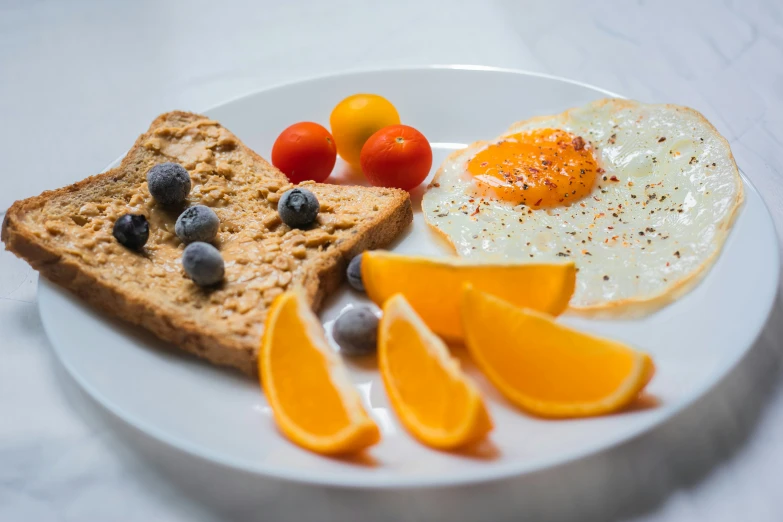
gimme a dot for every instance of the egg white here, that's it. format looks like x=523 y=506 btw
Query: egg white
x=655 y=220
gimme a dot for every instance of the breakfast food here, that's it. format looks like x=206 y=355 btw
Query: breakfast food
x=131 y=231
x=546 y=368
x=433 y=287
x=169 y=183
x=368 y=134
x=434 y=400
x=298 y=208
x=354 y=274
x=199 y=240
x=396 y=156
x=203 y=263
x=197 y=223
x=305 y=151
x=641 y=197
x=356 y=331
x=311 y=395
x=67 y=235
x=355 y=119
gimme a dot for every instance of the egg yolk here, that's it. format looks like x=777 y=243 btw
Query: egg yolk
x=539 y=168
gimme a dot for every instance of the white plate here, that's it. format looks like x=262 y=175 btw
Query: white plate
x=222 y=416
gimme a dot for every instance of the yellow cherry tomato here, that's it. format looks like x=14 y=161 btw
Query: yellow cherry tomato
x=355 y=119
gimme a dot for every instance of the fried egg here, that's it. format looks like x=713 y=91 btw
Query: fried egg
x=641 y=197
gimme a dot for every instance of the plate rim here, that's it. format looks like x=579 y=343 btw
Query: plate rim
x=402 y=68
x=369 y=481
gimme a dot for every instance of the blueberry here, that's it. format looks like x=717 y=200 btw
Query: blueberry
x=298 y=208
x=132 y=231
x=197 y=223
x=356 y=331
x=203 y=263
x=355 y=273
x=169 y=183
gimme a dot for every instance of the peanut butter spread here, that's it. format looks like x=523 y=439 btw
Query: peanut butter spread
x=263 y=257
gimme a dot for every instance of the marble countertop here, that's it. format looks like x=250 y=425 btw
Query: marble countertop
x=79 y=79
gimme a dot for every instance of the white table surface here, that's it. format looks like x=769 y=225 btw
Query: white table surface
x=79 y=80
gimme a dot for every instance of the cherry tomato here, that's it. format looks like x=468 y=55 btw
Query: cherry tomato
x=396 y=156
x=305 y=151
x=355 y=119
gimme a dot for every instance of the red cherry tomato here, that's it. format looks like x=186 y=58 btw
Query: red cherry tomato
x=396 y=156
x=305 y=151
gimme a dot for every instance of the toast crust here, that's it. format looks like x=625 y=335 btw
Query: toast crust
x=47 y=231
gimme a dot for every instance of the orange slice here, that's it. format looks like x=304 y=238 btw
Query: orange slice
x=434 y=286
x=546 y=368
x=434 y=400
x=313 y=401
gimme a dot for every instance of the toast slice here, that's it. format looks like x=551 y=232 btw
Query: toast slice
x=66 y=235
